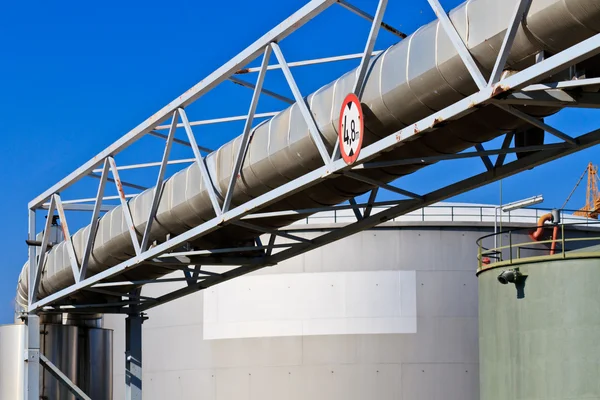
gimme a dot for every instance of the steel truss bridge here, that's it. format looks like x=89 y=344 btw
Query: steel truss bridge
x=521 y=88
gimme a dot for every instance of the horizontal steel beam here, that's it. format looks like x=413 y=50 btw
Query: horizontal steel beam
x=575 y=83
x=552 y=98
x=305 y=63
x=175 y=140
x=268 y=92
x=152 y=164
x=211 y=122
x=458 y=156
x=223 y=251
x=81 y=207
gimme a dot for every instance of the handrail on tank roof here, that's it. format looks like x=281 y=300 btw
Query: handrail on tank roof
x=344 y=213
x=486 y=255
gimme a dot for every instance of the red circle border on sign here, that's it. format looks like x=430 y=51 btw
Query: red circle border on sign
x=351 y=98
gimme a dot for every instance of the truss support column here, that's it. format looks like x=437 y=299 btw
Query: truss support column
x=32 y=358
x=133 y=356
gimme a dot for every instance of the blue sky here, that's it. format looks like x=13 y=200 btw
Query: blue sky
x=75 y=78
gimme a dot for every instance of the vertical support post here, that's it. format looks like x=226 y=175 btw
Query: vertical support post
x=32 y=358
x=35 y=269
x=495 y=228
x=510 y=247
x=133 y=356
x=562 y=239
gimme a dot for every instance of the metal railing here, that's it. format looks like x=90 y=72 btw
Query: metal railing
x=449 y=213
x=518 y=250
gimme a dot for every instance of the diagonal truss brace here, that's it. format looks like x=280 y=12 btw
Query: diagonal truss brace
x=486 y=160
x=62 y=378
x=536 y=122
x=67 y=237
x=308 y=117
x=125 y=207
x=241 y=155
x=509 y=38
x=160 y=182
x=458 y=43
x=94 y=222
x=505 y=145
x=365 y=59
x=208 y=183
x=385 y=186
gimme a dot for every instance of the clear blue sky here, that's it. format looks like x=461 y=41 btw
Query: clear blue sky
x=75 y=77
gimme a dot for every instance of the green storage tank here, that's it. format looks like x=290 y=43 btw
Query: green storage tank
x=539 y=337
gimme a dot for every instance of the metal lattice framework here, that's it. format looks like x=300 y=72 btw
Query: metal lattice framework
x=521 y=88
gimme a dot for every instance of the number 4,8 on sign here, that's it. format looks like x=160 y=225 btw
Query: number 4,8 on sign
x=351 y=129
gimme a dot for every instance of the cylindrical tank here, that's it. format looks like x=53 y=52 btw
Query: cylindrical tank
x=95 y=374
x=539 y=336
x=378 y=315
x=59 y=344
x=12 y=341
x=83 y=354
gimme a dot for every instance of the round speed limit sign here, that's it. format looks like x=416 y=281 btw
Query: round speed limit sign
x=351 y=128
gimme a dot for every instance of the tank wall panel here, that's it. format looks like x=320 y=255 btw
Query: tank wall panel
x=11 y=365
x=331 y=366
x=543 y=345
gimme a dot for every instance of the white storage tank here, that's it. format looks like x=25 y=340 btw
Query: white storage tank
x=389 y=313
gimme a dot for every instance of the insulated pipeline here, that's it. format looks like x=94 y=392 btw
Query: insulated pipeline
x=409 y=81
